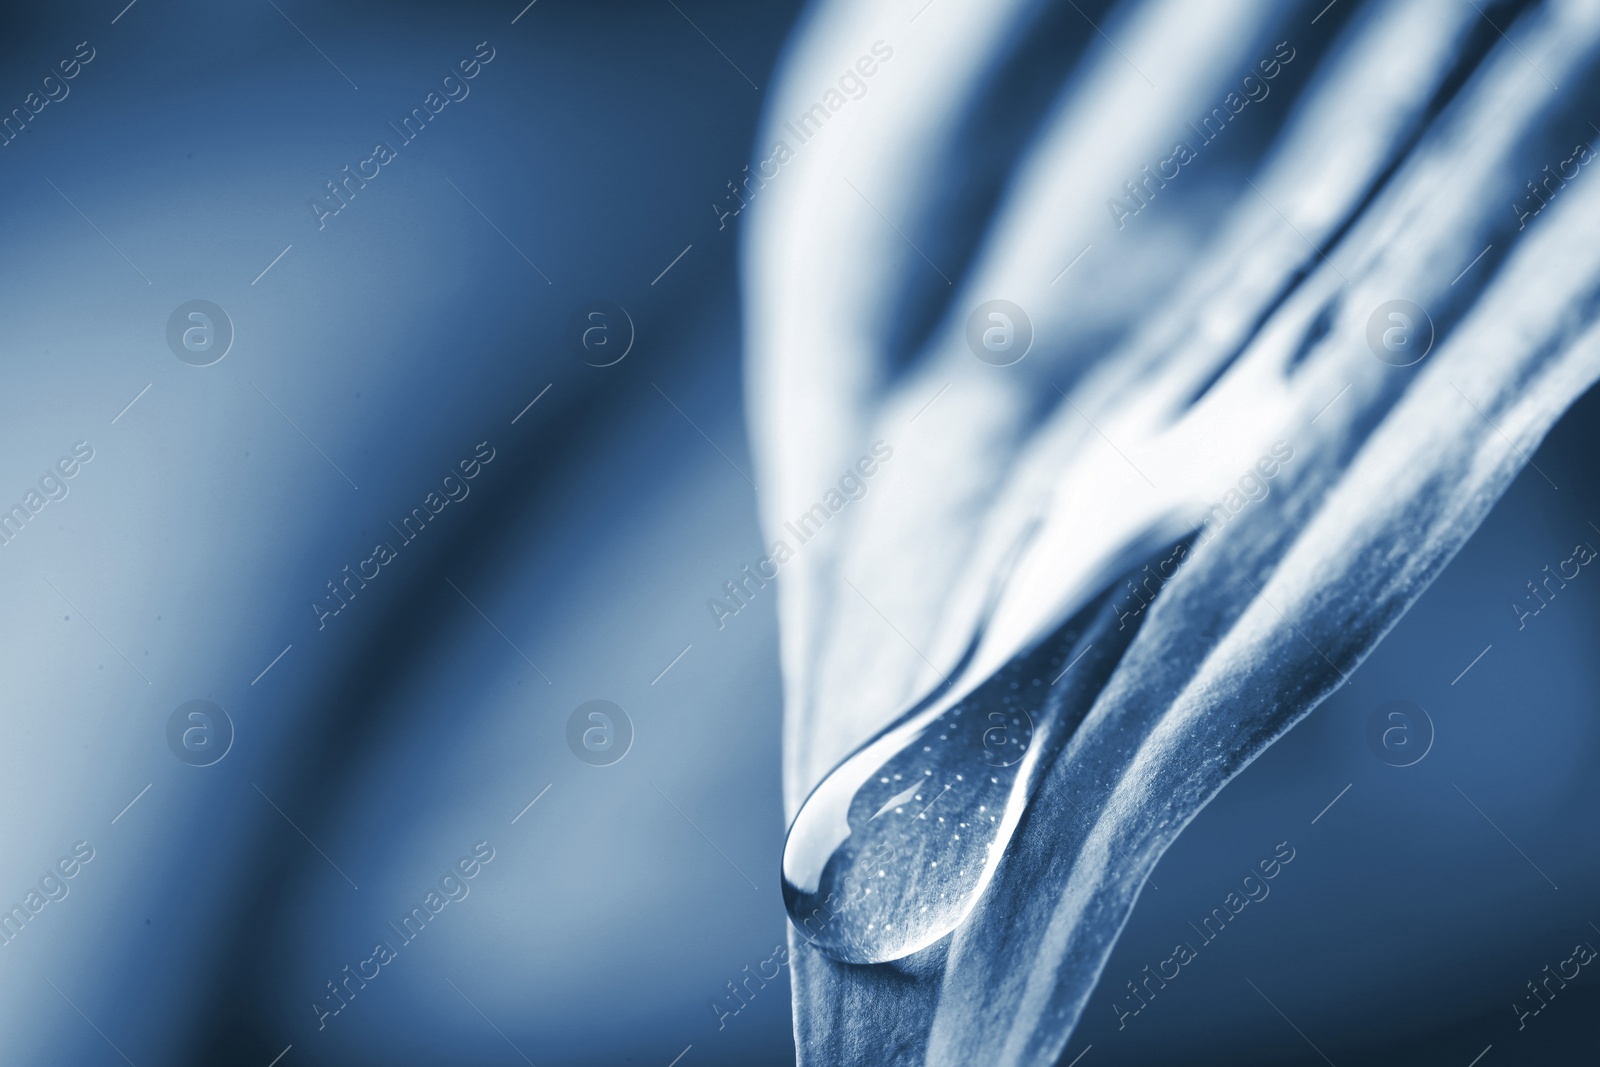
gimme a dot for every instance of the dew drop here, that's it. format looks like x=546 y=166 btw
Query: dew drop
x=996 y=734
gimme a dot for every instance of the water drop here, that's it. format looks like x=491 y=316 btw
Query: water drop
x=993 y=738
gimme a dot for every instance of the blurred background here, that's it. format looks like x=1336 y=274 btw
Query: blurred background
x=246 y=864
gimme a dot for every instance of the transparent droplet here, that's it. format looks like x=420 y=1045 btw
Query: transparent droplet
x=893 y=848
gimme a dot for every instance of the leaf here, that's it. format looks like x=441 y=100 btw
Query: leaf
x=1135 y=416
